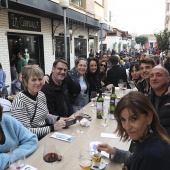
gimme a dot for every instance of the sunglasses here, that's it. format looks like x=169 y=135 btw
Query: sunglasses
x=103 y=65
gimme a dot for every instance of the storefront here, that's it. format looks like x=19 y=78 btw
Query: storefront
x=35 y=30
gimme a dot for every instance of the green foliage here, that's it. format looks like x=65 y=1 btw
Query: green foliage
x=163 y=39
x=141 y=40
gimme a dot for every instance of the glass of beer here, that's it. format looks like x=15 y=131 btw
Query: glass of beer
x=85 y=160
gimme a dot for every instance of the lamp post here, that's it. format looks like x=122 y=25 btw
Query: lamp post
x=101 y=31
x=64 y=5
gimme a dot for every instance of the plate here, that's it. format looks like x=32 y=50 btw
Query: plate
x=101 y=166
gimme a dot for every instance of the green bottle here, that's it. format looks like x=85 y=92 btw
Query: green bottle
x=112 y=101
x=99 y=108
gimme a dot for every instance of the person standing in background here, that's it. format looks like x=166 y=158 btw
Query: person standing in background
x=21 y=62
x=2 y=81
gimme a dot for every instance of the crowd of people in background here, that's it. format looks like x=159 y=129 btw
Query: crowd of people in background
x=45 y=102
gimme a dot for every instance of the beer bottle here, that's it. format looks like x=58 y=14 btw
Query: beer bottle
x=100 y=102
x=112 y=100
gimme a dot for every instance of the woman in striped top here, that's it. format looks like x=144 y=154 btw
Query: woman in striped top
x=30 y=106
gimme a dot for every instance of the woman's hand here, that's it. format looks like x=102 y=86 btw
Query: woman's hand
x=105 y=147
x=45 y=79
x=109 y=87
x=59 y=124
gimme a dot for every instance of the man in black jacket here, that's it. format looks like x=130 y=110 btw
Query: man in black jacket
x=159 y=82
x=116 y=72
x=56 y=90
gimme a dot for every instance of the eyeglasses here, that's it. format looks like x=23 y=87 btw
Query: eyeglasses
x=60 y=69
x=103 y=65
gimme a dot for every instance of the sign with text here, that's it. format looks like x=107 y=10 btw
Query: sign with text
x=23 y=22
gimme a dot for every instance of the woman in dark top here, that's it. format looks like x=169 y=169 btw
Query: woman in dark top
x=103 y=73
x=134 y=75
x=138 y=120
x=93 y=75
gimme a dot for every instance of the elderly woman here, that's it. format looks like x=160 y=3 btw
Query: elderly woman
x=30 y=106
x=138 y=120
x=14 y=135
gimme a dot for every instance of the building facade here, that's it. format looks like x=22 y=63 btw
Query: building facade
x=36 y=29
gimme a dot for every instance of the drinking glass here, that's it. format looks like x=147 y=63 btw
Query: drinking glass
x=50 y=153
x=79 y=115
x=120 y=83
x=124 y=87
x=85 y=160
x=104 y=116
x=96 y=159
x=93 y=96
x=132 y=85
x=16 y=159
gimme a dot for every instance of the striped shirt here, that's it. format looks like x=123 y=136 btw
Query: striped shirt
x=23 y=109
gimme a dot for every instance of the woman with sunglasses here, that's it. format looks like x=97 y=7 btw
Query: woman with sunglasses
x=103 y=75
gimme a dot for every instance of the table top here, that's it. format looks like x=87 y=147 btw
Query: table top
x=70 y=151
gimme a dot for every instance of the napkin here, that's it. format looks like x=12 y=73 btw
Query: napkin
x=28 y=167
x=109 y=135
x=93 y=148
x=62 y=136
x=85 y=122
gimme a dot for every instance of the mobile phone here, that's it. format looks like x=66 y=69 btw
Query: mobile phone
x=70 y=122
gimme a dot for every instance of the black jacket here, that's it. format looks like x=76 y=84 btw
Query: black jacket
x=163 y=109
x=116 y=73
x=57 y=98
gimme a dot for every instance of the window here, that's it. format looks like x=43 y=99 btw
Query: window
x=80 y=47
x=79 y=3
x=60 y=52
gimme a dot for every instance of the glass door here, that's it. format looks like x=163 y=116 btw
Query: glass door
x=31 y=46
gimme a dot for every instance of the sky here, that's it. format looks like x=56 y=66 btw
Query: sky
x=139 y=16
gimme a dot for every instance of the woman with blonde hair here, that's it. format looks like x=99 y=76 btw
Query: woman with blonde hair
x=30 y=106
x=138 y=120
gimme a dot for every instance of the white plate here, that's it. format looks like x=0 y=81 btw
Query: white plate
x=101 y=166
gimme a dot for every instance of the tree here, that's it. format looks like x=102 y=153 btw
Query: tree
x=141 y=40
x=163 y=40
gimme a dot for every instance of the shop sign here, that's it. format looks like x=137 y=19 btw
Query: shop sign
x=23 y=22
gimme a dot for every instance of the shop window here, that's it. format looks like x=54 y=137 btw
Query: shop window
x=59 y=51
x=80 y=46
x=31 y=46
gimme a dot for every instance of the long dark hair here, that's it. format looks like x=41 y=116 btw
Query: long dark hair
x=137 y=103
x=133 y=64
x=88 y=65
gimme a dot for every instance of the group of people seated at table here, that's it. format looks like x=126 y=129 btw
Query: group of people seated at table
x=42 y=108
